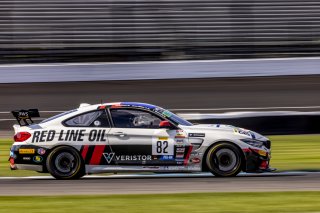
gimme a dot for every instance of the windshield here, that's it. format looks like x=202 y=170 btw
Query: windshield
x=173 y=117
x=57 y=116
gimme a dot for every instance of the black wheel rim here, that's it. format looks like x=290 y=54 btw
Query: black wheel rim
x=225 y=160
x=65 y=163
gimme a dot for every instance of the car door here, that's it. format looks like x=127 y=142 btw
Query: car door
x=137 y=139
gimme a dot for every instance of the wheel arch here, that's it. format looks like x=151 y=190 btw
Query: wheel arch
x=243 y=158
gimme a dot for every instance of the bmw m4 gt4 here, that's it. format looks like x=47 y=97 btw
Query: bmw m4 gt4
x=132 y=137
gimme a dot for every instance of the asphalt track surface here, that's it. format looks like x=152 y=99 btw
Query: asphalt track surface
x=154 y=184
x=172 y=94
x=285 y=91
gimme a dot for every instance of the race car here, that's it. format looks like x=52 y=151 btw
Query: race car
x=132 y=137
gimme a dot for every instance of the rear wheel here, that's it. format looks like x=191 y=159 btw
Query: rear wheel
x=65 y=163
x=224 y=160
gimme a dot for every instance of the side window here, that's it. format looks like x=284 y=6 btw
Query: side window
x=132 y=118
x=90 y=119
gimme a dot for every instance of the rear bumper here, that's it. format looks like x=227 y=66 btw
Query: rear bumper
x=28 y=157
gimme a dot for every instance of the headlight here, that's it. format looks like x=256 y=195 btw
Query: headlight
x=253 y=142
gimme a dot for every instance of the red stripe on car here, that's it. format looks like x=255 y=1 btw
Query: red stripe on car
x=187 y=156
x=85 y=151
x=97 y=154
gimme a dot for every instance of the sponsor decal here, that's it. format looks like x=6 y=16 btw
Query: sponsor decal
x=151 y=167
x=245 y=132
x=37 y=159
x=163 y=138
x=180 y=134
x=41 y=151
x=110 y=156
x=26 y=151
x=97 y=123
x=174 y=168
x=193 y=168
x=93 y=135
x=197 y=135
x=180 y=155
x=179 y=141
x=195 y=160
x=23 y=114
x=166 y=113
x=167 y=157
x=181 y=150
x=26 y=158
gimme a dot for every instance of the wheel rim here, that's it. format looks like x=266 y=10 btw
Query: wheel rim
x=65 y=163
x=226 y=160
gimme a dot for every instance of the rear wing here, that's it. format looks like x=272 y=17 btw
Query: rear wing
x=24 y=117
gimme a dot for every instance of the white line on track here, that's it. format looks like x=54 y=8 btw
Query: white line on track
x=158 y=62
x=168 y=175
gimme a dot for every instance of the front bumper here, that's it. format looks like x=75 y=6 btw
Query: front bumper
x=257 y=160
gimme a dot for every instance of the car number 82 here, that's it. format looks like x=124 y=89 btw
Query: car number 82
x=162 y=147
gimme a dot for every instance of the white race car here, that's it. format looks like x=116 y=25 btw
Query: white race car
x=132 y=137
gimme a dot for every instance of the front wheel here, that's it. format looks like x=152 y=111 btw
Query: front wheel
x=65 y=163
x=224 y=160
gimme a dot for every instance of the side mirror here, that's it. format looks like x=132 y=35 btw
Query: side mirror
x=165 y=124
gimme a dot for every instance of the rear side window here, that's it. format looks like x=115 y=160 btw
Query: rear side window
x=90 y=119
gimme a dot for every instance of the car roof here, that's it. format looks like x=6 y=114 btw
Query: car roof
x=86 y=107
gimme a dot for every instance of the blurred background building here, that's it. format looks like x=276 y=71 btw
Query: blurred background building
x=139 y=30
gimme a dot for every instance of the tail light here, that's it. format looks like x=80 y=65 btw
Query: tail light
x=21 y=136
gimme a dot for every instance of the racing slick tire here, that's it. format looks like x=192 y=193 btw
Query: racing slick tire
x=224 y=160
x=65 y=163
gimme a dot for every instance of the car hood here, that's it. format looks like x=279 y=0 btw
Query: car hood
x=227 y=128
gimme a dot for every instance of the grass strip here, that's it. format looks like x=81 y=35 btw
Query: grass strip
x=196 y=202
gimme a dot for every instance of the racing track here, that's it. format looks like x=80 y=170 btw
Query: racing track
x=184 y=93
x=261 y=92
x=161 y=184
